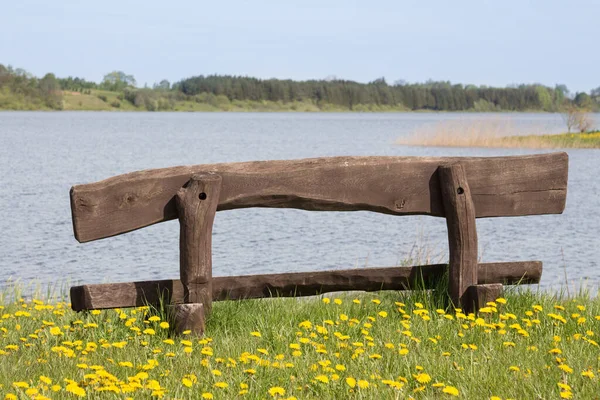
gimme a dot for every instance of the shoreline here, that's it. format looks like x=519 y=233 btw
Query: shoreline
x=261 y=110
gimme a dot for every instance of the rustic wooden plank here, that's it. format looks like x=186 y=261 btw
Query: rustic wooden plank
x=196 y=207
x=135 y=294
x=462 y=231
x=477 y=296
x=500 y=186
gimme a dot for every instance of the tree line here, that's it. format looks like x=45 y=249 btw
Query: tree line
x=431 y=95
x=47 y=92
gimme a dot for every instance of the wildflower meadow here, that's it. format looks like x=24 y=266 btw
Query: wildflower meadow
x=386 y=345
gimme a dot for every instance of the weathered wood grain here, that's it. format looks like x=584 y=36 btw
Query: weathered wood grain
x=134 y=294
x=196 y=204
x=462 y=231
x=500 y=186
x=188 y=317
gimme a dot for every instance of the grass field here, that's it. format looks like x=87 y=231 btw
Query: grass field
x=566 y=140
x=388 y=345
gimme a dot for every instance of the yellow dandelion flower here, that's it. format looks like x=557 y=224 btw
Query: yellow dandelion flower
x=337 y=301
x=382 y=314
x=565 y=368
x=164 y=325
x=588 y=374
x=55 y=331
x=256 y=334
x=186 y=382
x=322 y=378
x=142 y=375
x=566 y=395
x=451 y=390
x=276 y=391
x=221 y=385
x=154 y=318
x=75 y=389
x=207 y=395
x=305 y=324
x=564 y=386
x=423 y=378
x=362 y=384
x=149 y=331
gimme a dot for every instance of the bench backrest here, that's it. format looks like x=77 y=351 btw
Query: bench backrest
x=500 y=186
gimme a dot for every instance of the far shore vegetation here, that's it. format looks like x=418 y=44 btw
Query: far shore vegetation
x=589 y=140
x=20 y=90
x=581 y=126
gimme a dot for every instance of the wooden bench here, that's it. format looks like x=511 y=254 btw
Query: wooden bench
x=460 y=189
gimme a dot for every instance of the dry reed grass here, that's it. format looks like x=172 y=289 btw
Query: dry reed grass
x=493 y=133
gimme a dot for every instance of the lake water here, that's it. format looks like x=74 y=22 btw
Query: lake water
x=43 y=154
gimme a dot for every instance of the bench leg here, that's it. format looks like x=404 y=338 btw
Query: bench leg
x=462 y=231
x=196 y=207
x=478 y=295
x=188 y=317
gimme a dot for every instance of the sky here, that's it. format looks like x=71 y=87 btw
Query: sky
x=494 y=43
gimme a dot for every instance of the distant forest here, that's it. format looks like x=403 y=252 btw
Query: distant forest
x=21 y=90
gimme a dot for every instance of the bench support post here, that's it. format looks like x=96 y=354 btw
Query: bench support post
x=478 y=295
x=196 y=204
x=462 y=232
